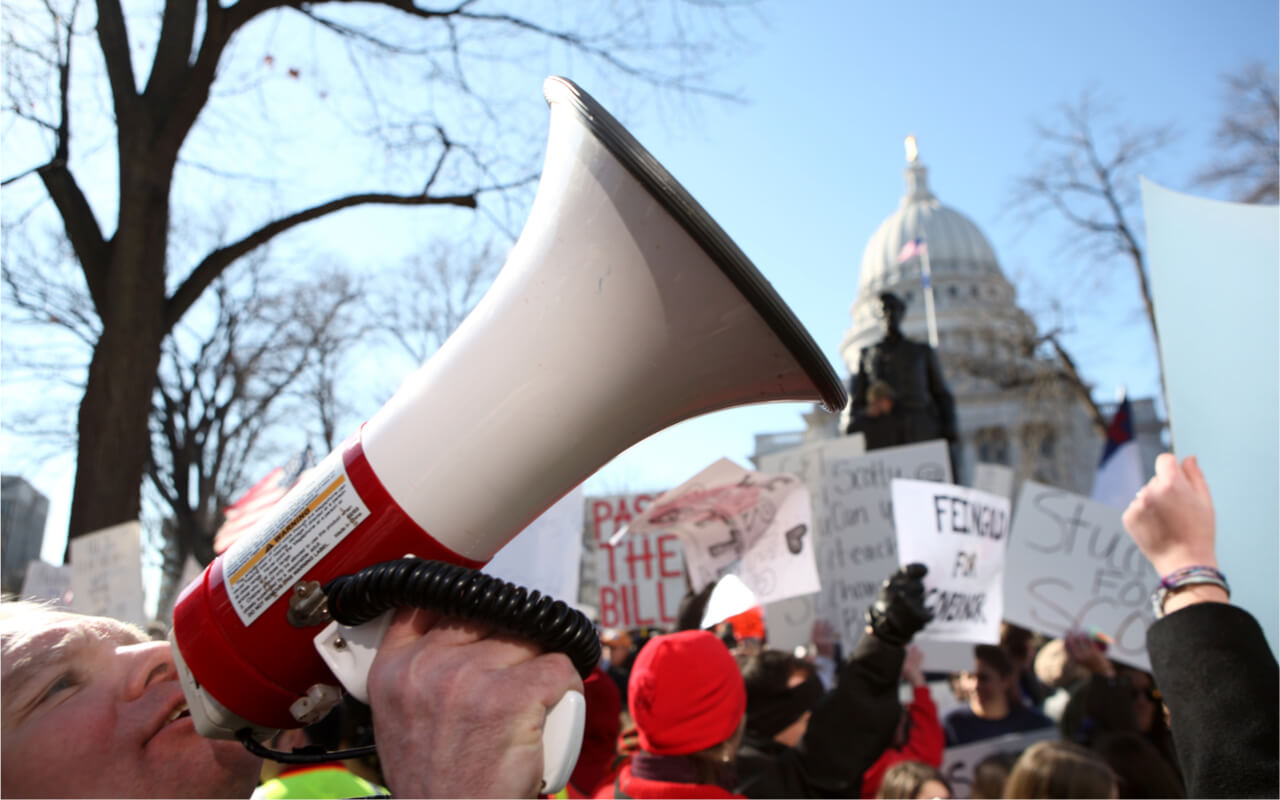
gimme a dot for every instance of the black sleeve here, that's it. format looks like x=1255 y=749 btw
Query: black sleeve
x=1222 y=685
x=851 y=726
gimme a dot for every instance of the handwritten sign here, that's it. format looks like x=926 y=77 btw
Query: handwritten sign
x=958 y=762
x=733 y=521
x=106 y=573
x=546 y=555
x=640 y=579
x=960 y=535
x=1071 y=565
x=857 y=547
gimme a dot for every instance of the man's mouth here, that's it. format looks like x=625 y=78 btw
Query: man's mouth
x=178 y=713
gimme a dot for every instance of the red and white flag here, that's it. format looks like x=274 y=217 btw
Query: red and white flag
x=249 y=509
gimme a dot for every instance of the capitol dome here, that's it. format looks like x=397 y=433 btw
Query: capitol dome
x=975 y=305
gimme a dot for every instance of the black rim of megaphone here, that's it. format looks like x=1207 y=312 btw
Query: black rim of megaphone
x=694 y=218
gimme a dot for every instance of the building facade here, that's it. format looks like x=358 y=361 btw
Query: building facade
x=1012 y=405
x=23 y=510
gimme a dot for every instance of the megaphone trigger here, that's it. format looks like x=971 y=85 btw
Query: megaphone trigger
x=349 y=650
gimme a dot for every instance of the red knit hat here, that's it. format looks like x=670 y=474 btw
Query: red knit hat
x=685 y=694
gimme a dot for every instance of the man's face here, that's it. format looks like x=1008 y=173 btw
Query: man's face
x=890 y=316
x=91 y=709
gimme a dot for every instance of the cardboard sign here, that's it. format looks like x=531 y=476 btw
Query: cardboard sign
x=960 y=535
x=959 y=762
x=547 y=554
x=857 y=548
x=1072 y=566
x=733 y=521
x=106 y=573
x=641 y=578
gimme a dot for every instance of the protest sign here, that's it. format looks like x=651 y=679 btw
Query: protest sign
x=857 y=548
x=959 y=762
x=1071 y=566
x=640 y=579
x=106 y=573
x=44 y=581
x=547 y=554
x=790 y=622
x=734 y=521
x=960 y=535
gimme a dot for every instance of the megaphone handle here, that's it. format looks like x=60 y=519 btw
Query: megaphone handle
x=349 y=652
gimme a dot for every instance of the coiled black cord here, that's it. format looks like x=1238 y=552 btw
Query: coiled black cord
x=454 y=591
x=468 y=593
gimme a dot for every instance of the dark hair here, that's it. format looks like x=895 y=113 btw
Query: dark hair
x=1016 y=641
x=1141 y=771
x=904 y=779
x=769 y=671
x=990 y=774
x=998 y=659
x=1058 y=769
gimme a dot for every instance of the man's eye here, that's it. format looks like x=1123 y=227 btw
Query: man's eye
x=61 y=684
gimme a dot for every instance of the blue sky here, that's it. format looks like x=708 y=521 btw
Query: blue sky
x=803 y=171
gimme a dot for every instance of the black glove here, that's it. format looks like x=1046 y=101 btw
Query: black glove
x=898 y=612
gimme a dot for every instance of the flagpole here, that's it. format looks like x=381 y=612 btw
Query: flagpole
x=925 y=277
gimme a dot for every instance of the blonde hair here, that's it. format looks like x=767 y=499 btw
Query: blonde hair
x=1059 y=769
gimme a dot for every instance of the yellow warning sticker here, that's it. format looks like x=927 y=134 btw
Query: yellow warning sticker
x=301 y=529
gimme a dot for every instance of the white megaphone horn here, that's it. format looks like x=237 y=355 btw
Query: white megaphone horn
x=622 y=309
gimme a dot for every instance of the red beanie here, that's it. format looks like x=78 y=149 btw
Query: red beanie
x=685 y=694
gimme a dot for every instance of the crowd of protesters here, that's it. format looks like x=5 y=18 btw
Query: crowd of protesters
x=700 y=713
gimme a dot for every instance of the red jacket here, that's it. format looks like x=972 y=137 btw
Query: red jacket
x=642 y=789
x=925 y=742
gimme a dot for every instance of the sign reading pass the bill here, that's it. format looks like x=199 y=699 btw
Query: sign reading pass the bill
x=1071 y=566
x=960 y=535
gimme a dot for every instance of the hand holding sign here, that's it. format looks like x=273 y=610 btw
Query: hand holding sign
x=1171 y=518
x=899 y=611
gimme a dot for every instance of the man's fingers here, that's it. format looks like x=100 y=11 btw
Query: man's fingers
x=1192 y=469
x=1166 y=466
x=408 y=625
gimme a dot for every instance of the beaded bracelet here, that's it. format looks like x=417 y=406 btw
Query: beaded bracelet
x=1182 y=578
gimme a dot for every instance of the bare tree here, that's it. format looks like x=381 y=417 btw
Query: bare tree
x=423 y=95
x=224 y=390
x=1088 y=178
x=1248 y=139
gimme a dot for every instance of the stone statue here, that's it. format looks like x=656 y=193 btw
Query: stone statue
x=919 y=406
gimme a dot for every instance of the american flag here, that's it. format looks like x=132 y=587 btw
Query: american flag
x=912 y=249
x=249 y=509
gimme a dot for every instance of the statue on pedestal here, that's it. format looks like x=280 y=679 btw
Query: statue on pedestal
x=910 y=402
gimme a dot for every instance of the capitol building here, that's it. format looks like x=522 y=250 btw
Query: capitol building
x=1013 y=405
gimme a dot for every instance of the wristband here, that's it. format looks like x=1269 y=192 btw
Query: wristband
x=1180 y=579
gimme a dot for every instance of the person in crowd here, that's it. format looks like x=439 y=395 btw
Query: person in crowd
x=1116 y=699
x=990 y=774
x=826 y=652
x=1141 y=770
x=1021 y=646
x=688 y=700
x=617 y=652
x=595 y=766
x=1060 y=673
x=331 y=779
x=919 y=736
x=995 y=704
x=878 y=424
x=1059 y=769
x=908 y=780
x=91 y=707
x=1216 y=672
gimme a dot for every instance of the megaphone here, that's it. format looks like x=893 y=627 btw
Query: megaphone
x=622 y=309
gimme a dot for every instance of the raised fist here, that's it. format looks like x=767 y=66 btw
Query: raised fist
x=898 y=612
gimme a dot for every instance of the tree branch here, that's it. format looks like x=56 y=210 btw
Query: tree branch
x=173 y=52
x=81 y=226
x=214 y=263
x=113 y=38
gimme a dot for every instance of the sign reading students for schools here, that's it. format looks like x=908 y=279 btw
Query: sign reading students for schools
x=960 y=535
x=641 y=578
x=1071 y=565
x=736 y=522
x=857 y=548
x=106 y=573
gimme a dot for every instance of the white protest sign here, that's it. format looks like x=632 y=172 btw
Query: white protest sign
x=959 y=762
x=546 y=555
x=106 y=573
x=640 y=579
x=960 y=535
x=735 y=521
x=789 y=622
x=857 y=548
x=45 y=581
x=1071 y=565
